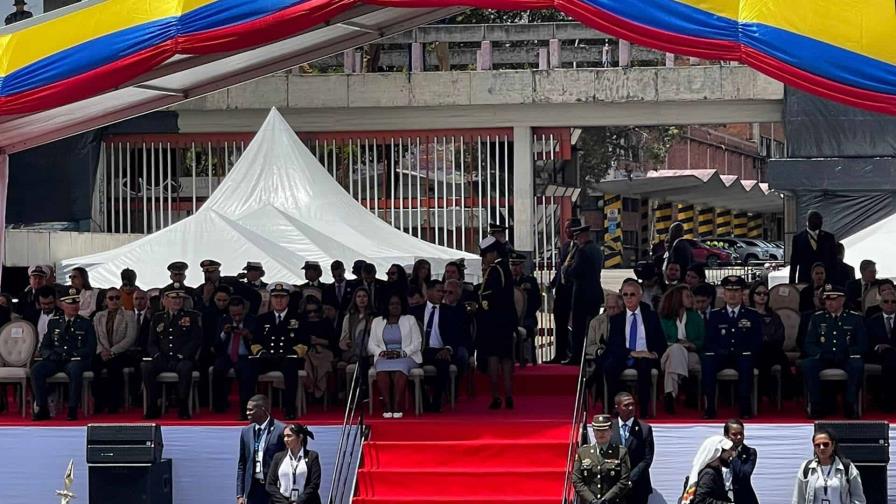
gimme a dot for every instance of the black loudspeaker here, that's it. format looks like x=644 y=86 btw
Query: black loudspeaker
x=147 y=484
x=867 y=445
x=124 y=443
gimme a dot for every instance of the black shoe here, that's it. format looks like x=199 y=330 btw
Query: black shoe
x=42 y=414
x=152 y=414
x=184 y=414
x=290 y=415
x=72 y=414
x=669 y=403
x=851 y=413
x=709 y=414
x=113 y=410
x=508 y=402
x=495 y=404
x=556 y=360
x=813 y=413
x=571 y=362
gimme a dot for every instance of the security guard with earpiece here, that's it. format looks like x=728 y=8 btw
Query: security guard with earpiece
x=601 y=472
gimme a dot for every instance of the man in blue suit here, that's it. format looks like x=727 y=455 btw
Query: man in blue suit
x=635 y=341
x=259 y=442
x=733 y=341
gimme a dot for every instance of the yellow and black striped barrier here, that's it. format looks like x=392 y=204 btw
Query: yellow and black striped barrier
x=723 y=222
x=645 y=227
x=740 y=224
x=662 y=220
x=706 y=222
x=685 y=216
x=754 y=226
x=612 y=230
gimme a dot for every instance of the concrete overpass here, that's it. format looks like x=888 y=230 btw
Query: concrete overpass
x=502 y=98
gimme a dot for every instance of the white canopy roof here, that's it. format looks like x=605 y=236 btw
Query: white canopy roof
x=279 y=206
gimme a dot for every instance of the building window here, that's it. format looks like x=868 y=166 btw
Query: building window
x=631 y=204
x=630 y=238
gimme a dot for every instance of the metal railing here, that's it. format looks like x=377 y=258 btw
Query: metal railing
x=576 y=434
x=351 y=439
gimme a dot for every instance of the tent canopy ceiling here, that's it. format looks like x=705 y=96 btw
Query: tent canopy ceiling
x=101 y=61
x=279 y=206
x=700 y=187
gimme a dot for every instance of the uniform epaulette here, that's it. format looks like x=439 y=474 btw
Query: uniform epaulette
x=820 y=312
x=854 y=313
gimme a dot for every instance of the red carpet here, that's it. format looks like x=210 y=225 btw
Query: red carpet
x=476 y=455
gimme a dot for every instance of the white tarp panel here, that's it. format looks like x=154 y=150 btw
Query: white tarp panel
x=279 y=206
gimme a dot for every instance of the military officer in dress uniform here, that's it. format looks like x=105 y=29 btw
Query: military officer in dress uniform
x=528 y=286
x=67 y=346
x=835 y=340
x=277 y=345
x=20 y=14
x=733 y=340
x=177 y=272
x=499 y=232
x=601 y=472
x=174 y=341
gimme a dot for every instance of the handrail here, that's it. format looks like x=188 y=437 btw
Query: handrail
x=351 y=436
x=575 y=432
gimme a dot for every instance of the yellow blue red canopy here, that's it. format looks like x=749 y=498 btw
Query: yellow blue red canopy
x=842 y=50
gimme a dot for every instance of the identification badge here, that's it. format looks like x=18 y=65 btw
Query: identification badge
x=257 y=467
x=294 y=495
x=825 y=501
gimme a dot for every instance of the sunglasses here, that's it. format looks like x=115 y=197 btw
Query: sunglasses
x=888 y=301
x=823 y=444
x=761 y=293
x=629 y=294
x=113 y=298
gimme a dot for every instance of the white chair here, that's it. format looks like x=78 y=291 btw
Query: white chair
x=731 y=375
x=415 y=377
x=18 y=341
x=631 y=376
x=169 y=377
x=784 y=296
x=791 y=320
x=274 y=379
x=61 y=378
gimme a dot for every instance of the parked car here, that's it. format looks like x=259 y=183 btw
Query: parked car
x=712 y=256
x=749 y=249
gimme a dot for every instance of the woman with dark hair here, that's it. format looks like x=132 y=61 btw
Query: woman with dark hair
x=695 y=276
x=397 y=280
x=421 y=274
x=773 y=336
x=828 y=477
x=684 y=331
x=395 y=344
x=810 y=300
x=80 y=279
x=294 y=476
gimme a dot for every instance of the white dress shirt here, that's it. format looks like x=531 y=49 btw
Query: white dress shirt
x=642 y=334
x=42 y=324
x=292 y=473
x=732 y=310
x=435 y=339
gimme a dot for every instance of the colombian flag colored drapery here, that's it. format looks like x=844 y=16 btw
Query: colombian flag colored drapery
x=842 y=50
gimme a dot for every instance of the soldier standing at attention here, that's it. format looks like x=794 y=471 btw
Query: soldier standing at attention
x=496 y=321
x=601 y=472
x=835 y=340
x=68 y=346
x=174 y=340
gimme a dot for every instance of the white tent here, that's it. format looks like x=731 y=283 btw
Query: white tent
x=278 y=205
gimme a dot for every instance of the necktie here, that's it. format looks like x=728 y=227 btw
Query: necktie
x=624 y=433
x=279 y=319
x=139 y=319
x=429 y=322
x=68 y=326
x=732 y=314
x=633 y=337
x=339 y=292
x=889 y=325
x=813 y=241
x=235 y=348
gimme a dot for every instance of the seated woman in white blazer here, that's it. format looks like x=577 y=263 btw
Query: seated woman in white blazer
x=395 y=344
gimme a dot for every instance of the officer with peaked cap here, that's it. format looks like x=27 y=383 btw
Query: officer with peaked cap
x=68 y=346
x=733 y=341
x=583 y=271
x=496 y=321
x=529 y=291
x=312 y=287
x=563 y=293
x=601 y=471
x=177 y=273
x=277 y=344
x=254 y=272
x=174 y=341
x=835 y=339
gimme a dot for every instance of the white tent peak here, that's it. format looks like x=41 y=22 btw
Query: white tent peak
x=277 y=205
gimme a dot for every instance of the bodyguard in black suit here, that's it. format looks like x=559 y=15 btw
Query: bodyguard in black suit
x=733 y=341
x=563 y=294
x=742 y=464
x=260 y=441
x=636 y=437
x=587 y=292
x=882 y=346
x=810 y=246
x=635 y=341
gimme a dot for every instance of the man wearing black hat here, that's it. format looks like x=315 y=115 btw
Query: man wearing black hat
x=20 y=14
x=601 y=471
x=174 y=342
x=528 y=287
x=496 y=321
x=733 y=341
x=277 y=345
x=835 y=339
x=312 y=286
x=254 y=272
x=563 y=294
x=587 y=292
x=68 y=346
x=177 y=273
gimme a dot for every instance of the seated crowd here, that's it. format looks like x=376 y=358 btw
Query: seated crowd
x=243 y=327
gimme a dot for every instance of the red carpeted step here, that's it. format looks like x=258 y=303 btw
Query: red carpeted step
x=456 y=500
x=527 y=480
x=461 y=454
x=482 y=427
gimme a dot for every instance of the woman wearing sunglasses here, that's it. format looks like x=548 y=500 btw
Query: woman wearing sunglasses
x=116 y=332
x=827 y=478
x=772 y=352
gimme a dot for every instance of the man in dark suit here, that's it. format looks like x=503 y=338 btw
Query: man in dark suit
x=233 y=338
x=742 y=464
x=635 y=341
x=377 y=288
x=733 y=341
x=843 y=273
x=587 y=292
x=143 y=314
x=810 y=246
x=339 y=293
x=882 y=345
x=259 y=442
x=636 y=437
x=441 y=330
x=563 y=294
x=856 y=289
